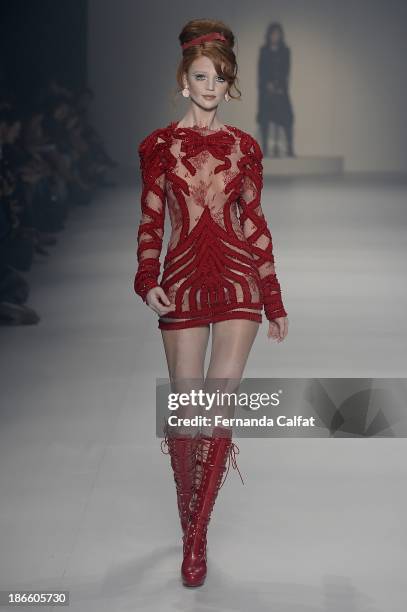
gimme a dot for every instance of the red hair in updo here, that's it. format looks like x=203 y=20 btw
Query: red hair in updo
x=220 y=52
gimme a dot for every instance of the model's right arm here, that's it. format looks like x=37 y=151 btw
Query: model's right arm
x=151 y=229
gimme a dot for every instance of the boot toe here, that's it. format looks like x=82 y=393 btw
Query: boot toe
x=193 y=572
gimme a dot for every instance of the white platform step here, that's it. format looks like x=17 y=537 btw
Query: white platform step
x=302 y=165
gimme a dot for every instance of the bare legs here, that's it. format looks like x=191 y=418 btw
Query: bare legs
x=231 y=344
x=185 y=351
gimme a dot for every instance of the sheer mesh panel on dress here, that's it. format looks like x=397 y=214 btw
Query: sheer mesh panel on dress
x=219 y=262
x=257 y=232
x=212 y=273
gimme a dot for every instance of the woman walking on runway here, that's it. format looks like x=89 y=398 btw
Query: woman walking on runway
x=218 y=269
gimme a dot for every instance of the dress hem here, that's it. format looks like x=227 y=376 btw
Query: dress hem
x=205 y=321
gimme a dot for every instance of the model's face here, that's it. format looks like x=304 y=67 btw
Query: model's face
x=206 y=87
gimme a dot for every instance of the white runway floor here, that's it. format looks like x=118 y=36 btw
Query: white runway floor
x=87 y=499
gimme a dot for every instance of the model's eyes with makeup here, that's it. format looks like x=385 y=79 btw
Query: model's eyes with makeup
x=198 y=77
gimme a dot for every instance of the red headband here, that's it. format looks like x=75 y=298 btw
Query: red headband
x=201 y=39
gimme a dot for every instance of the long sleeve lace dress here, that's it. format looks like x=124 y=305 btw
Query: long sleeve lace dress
x=219 y=262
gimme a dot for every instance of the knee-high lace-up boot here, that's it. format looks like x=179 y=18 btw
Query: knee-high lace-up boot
x=212 y=454
x=182 y=451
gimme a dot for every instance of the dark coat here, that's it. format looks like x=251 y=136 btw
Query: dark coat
x=274 y=67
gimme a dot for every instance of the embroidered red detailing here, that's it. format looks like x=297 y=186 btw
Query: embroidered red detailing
x=219 y=263
x=257 y=232
x=218 y=144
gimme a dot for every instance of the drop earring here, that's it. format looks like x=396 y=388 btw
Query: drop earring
x=227 y=97
x=185 y=92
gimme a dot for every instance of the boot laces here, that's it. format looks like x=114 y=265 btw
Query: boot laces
x=233 y=451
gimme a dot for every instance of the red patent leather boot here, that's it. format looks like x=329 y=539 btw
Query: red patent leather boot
x=182 y=451
x=212 y=454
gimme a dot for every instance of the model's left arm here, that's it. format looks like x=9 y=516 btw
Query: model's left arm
x=255 y=227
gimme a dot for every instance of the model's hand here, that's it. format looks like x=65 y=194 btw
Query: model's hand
x=158 y=301
x=278 y=329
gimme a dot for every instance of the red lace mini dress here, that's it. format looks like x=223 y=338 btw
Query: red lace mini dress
x=219 y=262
